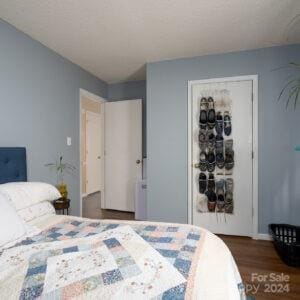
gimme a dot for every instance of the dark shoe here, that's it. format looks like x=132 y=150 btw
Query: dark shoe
x=203 y=104
x=219 y=141
x=203 y=113
x=211 y=114
x=219 y=123
x=211 y=160
x=202 y=183
x=203 y=119
x=220 y=162
x=227 y=123
x=220 y=195
x=229 y=155
x=210 y=139
x=211 y=182
x=203 y=161
x=212 y=199
x=202 y=139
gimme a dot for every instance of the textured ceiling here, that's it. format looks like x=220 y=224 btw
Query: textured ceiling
x=113 y=39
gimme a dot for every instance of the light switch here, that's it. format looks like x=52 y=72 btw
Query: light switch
x=69 y=141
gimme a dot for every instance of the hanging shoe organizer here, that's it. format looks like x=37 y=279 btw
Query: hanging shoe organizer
x=216 y=160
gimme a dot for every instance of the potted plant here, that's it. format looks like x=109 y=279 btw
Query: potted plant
x=286 y=237
x=61 y=167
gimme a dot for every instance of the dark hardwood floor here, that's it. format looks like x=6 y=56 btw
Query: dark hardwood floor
x=115 y=214
x=91 y=209
x=260 y=257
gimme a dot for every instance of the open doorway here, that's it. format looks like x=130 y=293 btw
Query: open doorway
x=110 y=156
x=92 y=153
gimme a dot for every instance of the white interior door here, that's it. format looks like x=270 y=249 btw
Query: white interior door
x=94 y=152
x=240 y=95
x=123 y=153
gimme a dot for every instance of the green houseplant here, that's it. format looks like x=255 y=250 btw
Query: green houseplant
x=291 y=90
x=61 y=168
x=288 y=251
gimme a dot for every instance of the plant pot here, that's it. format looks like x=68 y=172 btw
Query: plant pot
x=63 y=189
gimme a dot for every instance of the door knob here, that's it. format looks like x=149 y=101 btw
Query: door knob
x=138 y=161
x=99 y=157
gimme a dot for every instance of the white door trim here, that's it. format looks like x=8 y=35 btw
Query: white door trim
x=254 y=79
x=98 y=99
x=89 y=116
x=264 y=236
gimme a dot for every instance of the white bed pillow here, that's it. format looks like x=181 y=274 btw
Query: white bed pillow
x=37 y=210
x=12 y=227
x=26 y=194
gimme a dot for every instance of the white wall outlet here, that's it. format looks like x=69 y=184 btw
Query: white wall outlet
x=69 y=141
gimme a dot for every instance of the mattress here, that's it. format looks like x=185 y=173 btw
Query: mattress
x=78 y=258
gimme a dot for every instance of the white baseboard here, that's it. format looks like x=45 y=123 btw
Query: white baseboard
x=263 y=236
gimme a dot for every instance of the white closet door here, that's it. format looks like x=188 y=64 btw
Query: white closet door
x=123 y=153
x=241 y=221
x=94 y=152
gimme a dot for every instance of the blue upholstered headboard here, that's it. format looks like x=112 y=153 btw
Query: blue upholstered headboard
x=13 y=164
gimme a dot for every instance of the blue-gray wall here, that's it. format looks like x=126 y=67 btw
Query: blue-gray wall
x=127 y=91
x=39 y=104
x=279 y=132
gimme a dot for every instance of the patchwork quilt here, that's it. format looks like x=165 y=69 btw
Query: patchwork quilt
x=84 y=259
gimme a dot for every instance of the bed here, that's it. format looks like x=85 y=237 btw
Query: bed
x=67 y=257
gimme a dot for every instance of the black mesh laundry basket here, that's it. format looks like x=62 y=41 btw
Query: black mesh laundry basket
x=287 y=242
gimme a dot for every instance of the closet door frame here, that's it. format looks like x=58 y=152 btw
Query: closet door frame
x=84 y=93
x=254 y=79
